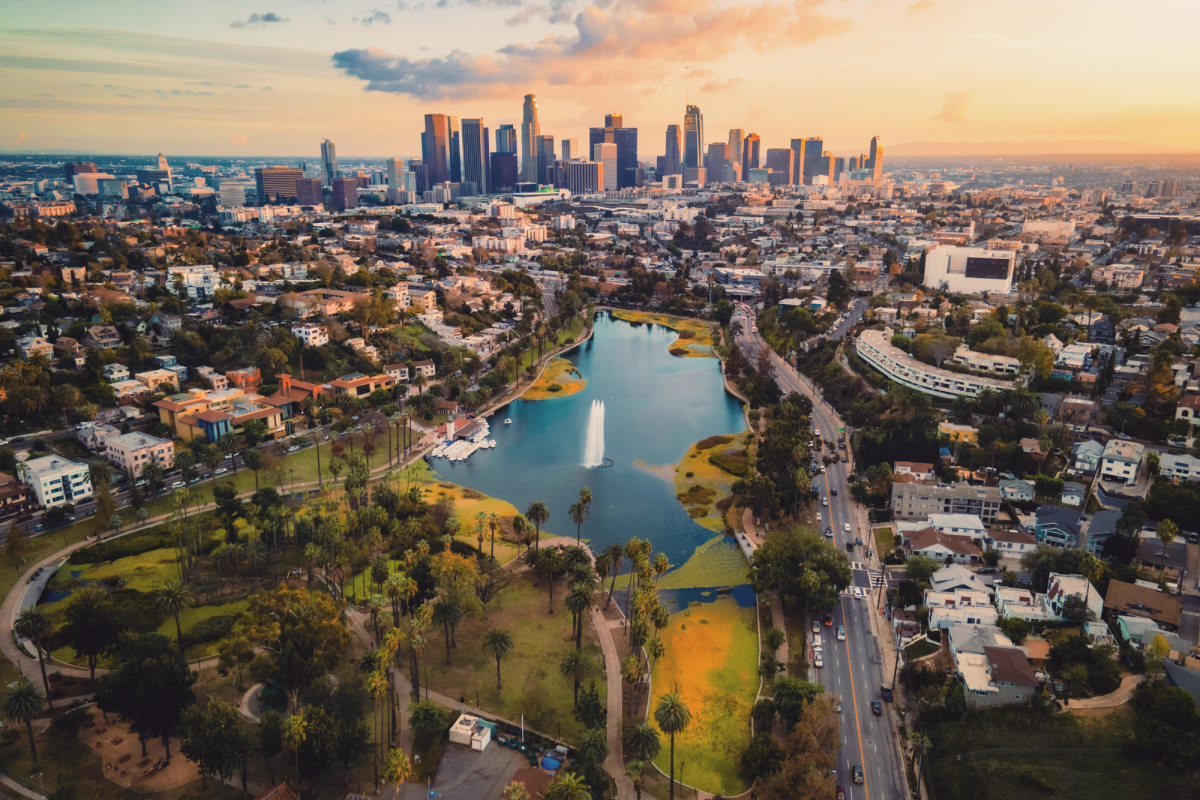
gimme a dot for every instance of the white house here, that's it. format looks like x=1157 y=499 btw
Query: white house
x=1121 y=461
x=1063 y=586
x=959 y=525
x=311 y=334
x=1085 y=457
x=56 y=480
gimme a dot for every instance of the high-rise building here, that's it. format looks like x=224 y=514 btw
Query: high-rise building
x=570 y=150
x=749 y=155
x=276 y=183
x=476 y=154
x=627 y=157
x=813 y=149
x=606 y=154
x=583 y=177
x=715 y=160
x=233 y=193
x=545 y=158
x=395 y=172
x=839 y=166
x=694 y=176
x=876 y=163
x=825 y=168
x=435 y=148
x=506 y=139
x=737 y=137
x=530 y=130
x=504 y=172
x=329 y=164
x=345 y=193
x=308 y=192
x=71 y=169
x=673 y=163
x=780 y=160
x=455 y=144
x=797 y=146
x=614 y=121
x=693 y=137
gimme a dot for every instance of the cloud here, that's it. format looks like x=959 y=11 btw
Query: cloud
x=922 y=6
x=620 y=42
x=267 y=88
x=720 y=86
x=257 y=20
x=382 y=17
x=330 y=20
x=955 y=107
x=235 y=138
x=131 y=97
x=556 y=13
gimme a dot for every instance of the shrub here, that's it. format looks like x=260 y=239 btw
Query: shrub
x=126 y=546
x=677 y=351
x=211 y=629
x=713 y=441
x=68 y=725
x=734 y=463
x=686 y=334
x=554 y=387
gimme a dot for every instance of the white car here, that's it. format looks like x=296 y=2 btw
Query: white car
x=293 y=448
x=841 y=634
x=858 y=593
x=818 y=662
x=221 y=471
x=818 y=516
x=846 y=527
x=817 y=432
x=177 y=485
x=824 y=501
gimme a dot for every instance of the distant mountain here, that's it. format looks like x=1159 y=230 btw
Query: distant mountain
x=1063 y=147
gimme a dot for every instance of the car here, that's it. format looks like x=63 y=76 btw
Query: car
x=196 y=479
x=877 y=708
x=857 y=774
x=293 y=448
x=887 y=694
x=829 y=533
x=986 y=571
x=858 y=541
x=39 y=527
x=824 y=501
x=841 y=634
x=846 y=527
x=177 y=485
x=221 y=471
x=818 y=516
x=829 y=620
x=858 y=593
x=833 y=491
x=816 y=626
x=818 y=662
x=845 y=459
x=840 y=793
x=817 y=432
x=141 y=482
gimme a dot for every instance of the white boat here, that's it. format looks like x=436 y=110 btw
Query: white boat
x=508 y=422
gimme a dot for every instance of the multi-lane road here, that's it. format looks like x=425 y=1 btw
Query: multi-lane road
x=854 y=669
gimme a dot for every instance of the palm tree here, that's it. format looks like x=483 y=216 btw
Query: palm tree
x=987 y=401
x=515 y=791
x=576 y=666
x=636 y=770
x=295 y=731
x=447 y=613
x=615 y=552
x=243 y=748
x=567 y=786
x=497 y=643
x=551 y=562
x=228 y=442
x=643 y=743
x=212 y=459
x=579 y=513
x=1166 y=533
x=186 y=459
x=672 y=717
x=34 y=624
x=580 y=600
x=22 y=704
x=396 y=766
x=492 y=520
x=593 y=745
x=661 y=565
x=1026 y=402
x=538 y=514
x=173 y=598
x=152 y=474
x=254 y=461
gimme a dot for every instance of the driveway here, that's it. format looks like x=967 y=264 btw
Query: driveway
x=463 y=774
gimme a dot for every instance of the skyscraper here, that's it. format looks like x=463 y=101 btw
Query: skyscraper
x=530 y=130
x=876 y=163
x=614 y=120
x=715 y=160
x=545 y=158
x=672 y=164
x=435 y=148
x=504 y=172
x=506 y=139
x=813 y=149
x=164 y=166
x=606 y=154
x=737 y=138
x=329 y=165
x=274 y=183
x=570 y=149
x=71 y=169
x=693 y=137
x=797 y=146
x=308 y=192
x=395 y=172
x=583 y=177
x=345 y=193
x=455 y=144
x=476 y=155
x=627 y=156
x=749 y=155
x=780 y=160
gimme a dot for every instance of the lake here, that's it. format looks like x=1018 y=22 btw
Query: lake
x=656 y=406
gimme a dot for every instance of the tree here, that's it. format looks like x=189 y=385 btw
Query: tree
x=396 y=767
x=34 y=624
x=173 y=598
x=1166 y=533
x=613 y=555
x=672 y=717
x=636 y=770
x=497 y=644
x=538 y=514
x=1166 y=725
x=301 y=633
x=1014 y=628
x=804 y=568
x=23 y=703
x=575 y=666
x=515 y=791
x=567 y=786
x=254 y=461
x=792 y=696
x=447 y=613
x=550 y=561
x=762 y=757
x=149 y=688
x=270 y=738
x=91 y=625
x=810 y=754
x=920 y=568
x=207 y=738
x=295 y=731
x=579 y=513
x=642 y=742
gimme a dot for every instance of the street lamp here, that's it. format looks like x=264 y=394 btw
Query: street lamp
x=40 y=786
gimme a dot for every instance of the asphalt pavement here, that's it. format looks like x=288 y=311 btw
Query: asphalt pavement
x=853 y=669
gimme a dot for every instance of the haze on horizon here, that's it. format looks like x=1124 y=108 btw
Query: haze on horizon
x=275 y=78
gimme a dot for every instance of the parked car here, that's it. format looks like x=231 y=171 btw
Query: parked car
x=877 y=708
x=986 y=571
x=177 y=485
x=887 y=694
x=816 y=626
x=221 y=471
x=296 y=447
x=841 y=633
x=818 y=662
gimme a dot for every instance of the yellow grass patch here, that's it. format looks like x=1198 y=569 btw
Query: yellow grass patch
x=695 y=337
x=561 y=373
x=701 y=483
x=711 y=661
x=718 y=562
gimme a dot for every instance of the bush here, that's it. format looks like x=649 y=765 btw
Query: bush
x=734 y=463
x=554 y=387
x=1029 y=779
x=68 y=725
x=126 y=546
x=211 y=629
x=713 y=441
x=762 y=757
x=677 y=351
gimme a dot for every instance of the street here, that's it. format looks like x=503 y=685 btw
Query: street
x=853 y=669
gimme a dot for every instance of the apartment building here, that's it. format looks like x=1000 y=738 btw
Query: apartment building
x=327 y=302
x=193 y=281
x=397 y=372
x=201 y=412
x=1127 y=278
x=916 y=501
x=1121 y=461
x=426 y=368
x=311 y=334
x=876 y=349
x=248 y=378
x=131 y=451
x=357 y=384
x=154 y=378
x=55 y=481
x=964 y=356
x=218 y=381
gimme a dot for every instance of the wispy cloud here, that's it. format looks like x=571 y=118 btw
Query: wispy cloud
x=720 y=86
x=237 y=138
x=257 y=20
x=377 y=16
x=955 y=107
x=330 y=20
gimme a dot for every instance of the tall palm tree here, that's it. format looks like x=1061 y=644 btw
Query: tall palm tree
x=497 y=643
x=615 y=552
x=575 y=666
x=396 y=766
x=642 y=742
x=34 y=624
x=538 y=514
x=551 y=562
x=295 y=731
x=593 y=745
x=228 y=443
x=243 y=748
x=584 y=594
x=673 y=718
x=173 y=598
x=579 y=513
x=254 y=461
x=152 y=474
x=212 y=458
x=447 y=613
x=23 y=704
x=492 y=521
x=567 y=786
x=185 y=460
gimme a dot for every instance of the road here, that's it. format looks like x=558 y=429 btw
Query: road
x=853 y=669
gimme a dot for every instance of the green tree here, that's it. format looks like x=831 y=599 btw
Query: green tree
x=1014 y=628
x=497 y=644
x=792 y=695
x=34 y=624
x=207 y=739
x=173 y=598
x=672 y=717
x=803 y=567
x=642 y=742
x=762 y=757
x=148 y=689
x=23 y=703
x=920 y=568
x=91 y=625
x=575 y=666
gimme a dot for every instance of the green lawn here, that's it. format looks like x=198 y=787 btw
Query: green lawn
x=411 y=335
x=982 y=757
x=531 y=683
x=883 y=541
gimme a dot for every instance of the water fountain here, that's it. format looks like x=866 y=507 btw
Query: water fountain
x=593 y=452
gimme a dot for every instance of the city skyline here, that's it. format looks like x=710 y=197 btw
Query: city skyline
x=267 y=84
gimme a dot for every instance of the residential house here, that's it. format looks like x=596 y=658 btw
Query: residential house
x=1057 y=526
x=1101 y=331
x=1102 y=526
x=357 y=384
x=67 y=347
x=31 y=345
x=943 y=547
x=962 y=607
x=1073 y=494
x=115 y=373
x=959 y=525
x=1062 y=587
x=954 y=577
x=14 y=495
x=1021 y=603
x=130 y=452
x=1011 y=543
x=998 y=676
x=311 y=334
x=102 y=337
x=958 y=433
x=1140 y=601
x=94 y=435
x=248 y=378
x=56 y=481
x=1085 y=457
x=397 y=372
x=426 y=368
x=920 y=471
x=155 y=378
x=1121 y=461
x=1017 y=491
x=973 y=638
x=218 y=381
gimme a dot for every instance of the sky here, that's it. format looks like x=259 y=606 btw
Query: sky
x=275 y=77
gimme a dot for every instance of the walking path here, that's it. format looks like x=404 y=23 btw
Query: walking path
x=1118 y=698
